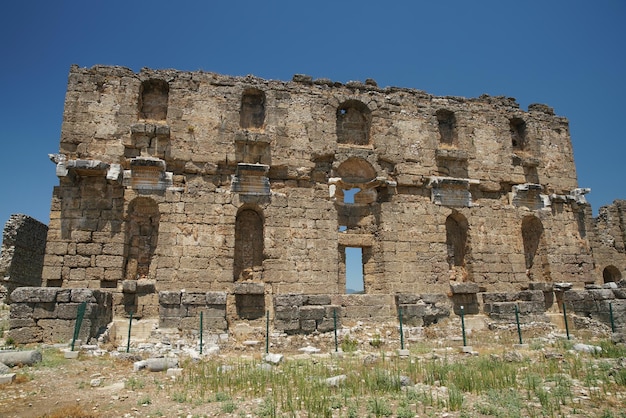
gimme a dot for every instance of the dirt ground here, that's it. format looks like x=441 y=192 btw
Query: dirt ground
x=106 y=385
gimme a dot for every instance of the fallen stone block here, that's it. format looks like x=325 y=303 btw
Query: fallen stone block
x=7 y=378
x=174 y=372
x=273 y=358
x=336 y=380
x=586 y=348
x=12 y=358
x=156 y=364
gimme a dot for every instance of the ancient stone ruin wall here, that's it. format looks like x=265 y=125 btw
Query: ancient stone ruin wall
x=211 y=183
x=22 y=254
x=609 y=242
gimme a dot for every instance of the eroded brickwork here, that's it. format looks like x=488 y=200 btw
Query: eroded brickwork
x=21 y=257
x=206 y=182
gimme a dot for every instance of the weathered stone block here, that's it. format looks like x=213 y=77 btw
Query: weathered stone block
x=601 y=294
x=460 y=288
x=312 y=312
x=407 y=299
x=34 y=294
x=145 y=286
x=327 y=324
x=25 y=335
x=543 y=286
x=22 y=323
x=193 y=298
x=64 y=295
x=169 y=298
x=287 y=325
x=287 y=313
x=317 y=300
x=83 y=295
x=21 y=310
x=44 y=310
x=129 y=286
x=499 y=297
x=216 y=298
x=289 y=300
x=172 y=311
x=531 y=295
x=248 y=288
x=435 y=298
x=308 y=325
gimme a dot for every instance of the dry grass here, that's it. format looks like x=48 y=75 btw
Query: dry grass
x=74 y=411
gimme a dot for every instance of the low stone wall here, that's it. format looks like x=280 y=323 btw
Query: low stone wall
x=501 y=306
x=22 y=253
x=598 y=303
x=182 y=310
x=297 y=313
x=48 y=314
x=423 y=310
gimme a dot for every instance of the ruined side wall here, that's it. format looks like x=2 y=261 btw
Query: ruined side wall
x=21 y=260
x=49 y=315
x=609 y=241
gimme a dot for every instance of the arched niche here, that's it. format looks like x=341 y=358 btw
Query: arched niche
x=252 y=112
x=456 y=239
x=153 y=98
x=611 y=274
x=248 y=242
x=353 y=123
x=358 y=175
x=446 y=122
x=535 y=250
x=142 y=232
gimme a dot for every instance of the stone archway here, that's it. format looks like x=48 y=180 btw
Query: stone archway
x=611 y=274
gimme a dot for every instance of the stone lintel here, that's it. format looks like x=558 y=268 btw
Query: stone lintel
x=355 y=240
x=457 y=288
x=249 y=288
x=451 y=154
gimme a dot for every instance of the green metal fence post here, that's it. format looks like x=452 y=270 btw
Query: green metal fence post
x=201 y=332
x=519 y=329
x=401 y=331
x=463 y=325
x=565 y=318
x=335 y=325
x=130 y=324
x=80 y=314
x=267 y=332
x=611 y=317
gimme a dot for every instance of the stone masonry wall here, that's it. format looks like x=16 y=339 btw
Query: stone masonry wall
x=167 y=177
x=609 y=241
x=181 y=310
x=22 y=254
x=48 y=315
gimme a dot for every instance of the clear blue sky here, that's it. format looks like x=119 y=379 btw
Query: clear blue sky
x=570 y=55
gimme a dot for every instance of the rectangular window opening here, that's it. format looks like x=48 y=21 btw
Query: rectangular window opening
x=354 y=270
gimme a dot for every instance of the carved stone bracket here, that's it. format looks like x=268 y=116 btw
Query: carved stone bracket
x=451 y=191
x=147 y=173
x=251 y=179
